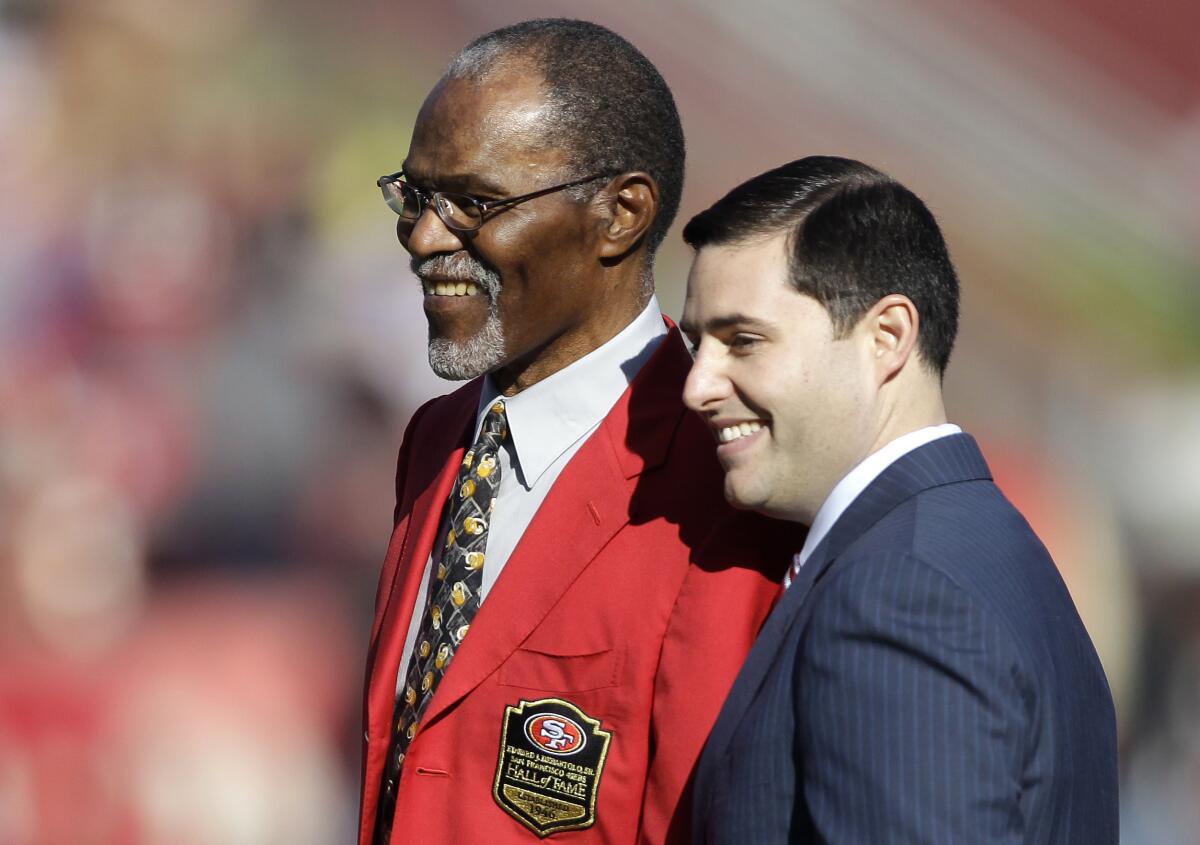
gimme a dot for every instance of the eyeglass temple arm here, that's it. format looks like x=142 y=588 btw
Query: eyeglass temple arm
x=490 y=204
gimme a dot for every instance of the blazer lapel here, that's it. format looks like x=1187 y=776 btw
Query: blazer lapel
x=947 y=460
x=590 y=502
x=410 y=546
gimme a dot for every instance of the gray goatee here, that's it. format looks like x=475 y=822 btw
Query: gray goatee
x=477 y=355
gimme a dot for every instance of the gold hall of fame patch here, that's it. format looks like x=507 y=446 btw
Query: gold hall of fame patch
x=551 y=757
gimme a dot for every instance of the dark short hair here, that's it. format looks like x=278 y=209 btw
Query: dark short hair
x=855 y=236
x=611 y=110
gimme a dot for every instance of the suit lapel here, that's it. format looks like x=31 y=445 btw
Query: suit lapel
x=759 y=662
x=589 y=503
x=947 y=460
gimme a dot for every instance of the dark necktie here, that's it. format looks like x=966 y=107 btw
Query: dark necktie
x=453 y=599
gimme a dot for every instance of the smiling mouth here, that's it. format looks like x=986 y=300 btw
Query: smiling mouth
x=451 y=288
x=730 y=433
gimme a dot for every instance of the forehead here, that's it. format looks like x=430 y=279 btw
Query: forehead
x=748 y=279
x=491 y=128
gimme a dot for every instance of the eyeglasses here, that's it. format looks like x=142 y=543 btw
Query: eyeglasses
x=461 y=212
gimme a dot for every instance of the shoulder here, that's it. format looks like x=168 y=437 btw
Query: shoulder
x=958 y=562
x=886 y=621
x=969 y=533
x=893 y=590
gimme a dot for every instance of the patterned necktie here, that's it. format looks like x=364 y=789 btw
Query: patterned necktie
x=453 y=599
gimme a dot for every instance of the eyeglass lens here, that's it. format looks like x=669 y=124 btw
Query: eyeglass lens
x=457 y=211
x=402 y=199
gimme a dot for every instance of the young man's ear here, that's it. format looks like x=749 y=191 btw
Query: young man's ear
x=630 y=205
x=893 y=326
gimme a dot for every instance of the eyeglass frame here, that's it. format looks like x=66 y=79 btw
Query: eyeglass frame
x=428 y=198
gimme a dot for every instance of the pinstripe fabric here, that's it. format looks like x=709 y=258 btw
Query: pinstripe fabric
x=926 y=679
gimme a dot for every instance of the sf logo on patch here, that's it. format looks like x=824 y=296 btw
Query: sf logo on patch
x=556 y=734
x=551 y=757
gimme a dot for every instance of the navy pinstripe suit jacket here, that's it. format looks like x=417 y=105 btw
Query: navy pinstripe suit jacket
x=925 y=679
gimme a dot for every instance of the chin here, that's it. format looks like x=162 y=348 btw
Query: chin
x=736 y=504
x=744 y=500
x=458 y=360
x=759 y=501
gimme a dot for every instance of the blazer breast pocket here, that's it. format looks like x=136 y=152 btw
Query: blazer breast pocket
x=541 y=670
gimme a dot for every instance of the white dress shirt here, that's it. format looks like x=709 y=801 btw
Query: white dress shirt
x=857 y=480
x=547 y=424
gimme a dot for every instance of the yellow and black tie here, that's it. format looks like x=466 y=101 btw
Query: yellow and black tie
x=454 y=595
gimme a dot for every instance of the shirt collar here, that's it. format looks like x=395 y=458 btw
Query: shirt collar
x=548 y=418
x=859 y=478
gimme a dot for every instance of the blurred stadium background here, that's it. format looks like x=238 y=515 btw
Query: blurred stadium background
x=210 y=344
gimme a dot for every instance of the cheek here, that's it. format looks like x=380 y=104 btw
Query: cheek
x=792 y=395
x=840 y=414
x=523 y=235
x=809 y=407
x=500 y=238
x=529 y=258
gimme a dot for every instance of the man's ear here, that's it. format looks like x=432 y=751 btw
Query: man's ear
x=629 y=204
x=893 y=326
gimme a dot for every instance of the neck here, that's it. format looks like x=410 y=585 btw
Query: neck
x=906 y=407
x=616 y=310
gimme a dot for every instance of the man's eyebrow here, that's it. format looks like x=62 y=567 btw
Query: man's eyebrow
x=727 y=321
x=464 y=182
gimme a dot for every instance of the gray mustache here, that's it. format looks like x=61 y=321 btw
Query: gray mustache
x=458 y=267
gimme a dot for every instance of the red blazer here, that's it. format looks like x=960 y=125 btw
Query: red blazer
x=627 y=607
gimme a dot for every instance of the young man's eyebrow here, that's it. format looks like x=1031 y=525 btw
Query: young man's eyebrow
x=727 y=321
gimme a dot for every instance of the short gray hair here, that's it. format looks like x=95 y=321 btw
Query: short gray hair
x=611 y=110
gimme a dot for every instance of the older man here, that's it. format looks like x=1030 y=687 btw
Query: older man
x=925 y=677
x=566 y=597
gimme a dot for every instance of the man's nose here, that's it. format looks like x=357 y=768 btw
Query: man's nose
x=428 y=235
x=705 y=385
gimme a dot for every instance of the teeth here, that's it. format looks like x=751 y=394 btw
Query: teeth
x=733 y=432
x=451 y=288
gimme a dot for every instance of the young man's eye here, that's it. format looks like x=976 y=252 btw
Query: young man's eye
x=743 y=342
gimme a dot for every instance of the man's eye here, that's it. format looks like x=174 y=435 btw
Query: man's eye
x=743 y=342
